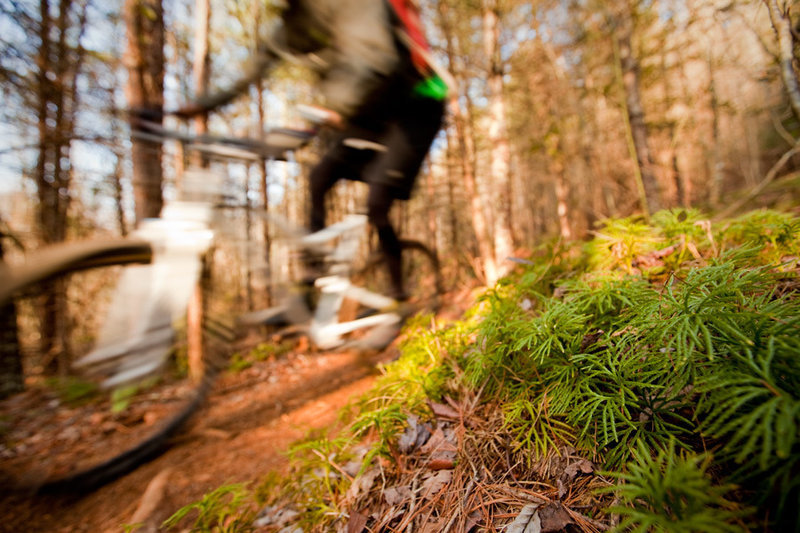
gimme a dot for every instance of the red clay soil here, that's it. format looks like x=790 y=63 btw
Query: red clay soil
x=242 y=433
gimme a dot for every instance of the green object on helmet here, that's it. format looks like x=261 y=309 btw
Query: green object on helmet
x=433 y=87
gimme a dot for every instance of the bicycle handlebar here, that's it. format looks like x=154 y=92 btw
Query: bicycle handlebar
x=276 y=144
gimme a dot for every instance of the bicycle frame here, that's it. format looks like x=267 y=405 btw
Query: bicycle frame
x=150 y=299
x=325 y=329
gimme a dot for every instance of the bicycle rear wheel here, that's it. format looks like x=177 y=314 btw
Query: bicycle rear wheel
x=421 y=274
x=63 y=431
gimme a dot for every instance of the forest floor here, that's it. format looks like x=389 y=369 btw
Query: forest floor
x=241 y=434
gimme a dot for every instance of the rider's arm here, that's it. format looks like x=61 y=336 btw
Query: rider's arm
x=254 y=70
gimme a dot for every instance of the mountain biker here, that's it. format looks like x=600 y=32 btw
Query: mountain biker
x=380 y=85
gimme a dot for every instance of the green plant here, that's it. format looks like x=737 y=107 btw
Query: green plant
x=73 y=390
x=673 y=493
x=226 y=509
x=619 y=241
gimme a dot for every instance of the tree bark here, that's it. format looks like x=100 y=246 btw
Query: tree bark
x=467 y=156
x=201 y=67
x=59 y=64
x=11 y=373
x=628 y=67
x=144 y=60
x=500 y=154
x=782 y=24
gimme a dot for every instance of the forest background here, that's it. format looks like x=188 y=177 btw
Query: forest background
x=562 y=115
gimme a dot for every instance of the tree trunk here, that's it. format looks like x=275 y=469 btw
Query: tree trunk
x=638 y=135
x=466 y=146
x=263 y=176
x=500 y=154
x=59 y=65
x=783 y=28
x=717 y=176
x=144 y=90
x=201 y=70
x=201 y=62
x=11 y=374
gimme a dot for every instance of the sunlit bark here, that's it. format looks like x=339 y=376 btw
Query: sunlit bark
x=144 y=90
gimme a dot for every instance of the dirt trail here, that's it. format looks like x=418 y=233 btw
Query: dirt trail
x=241 y=435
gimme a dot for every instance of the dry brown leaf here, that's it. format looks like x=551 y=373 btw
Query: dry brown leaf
x=473 y=519
x=356 y=523
x=414 y=436
x=434 y=483
x=444 y=411
x=442 y=461
x=554 y=517
x=583 y=466
x=397 y=495
x=432 y=527
x=361 y=485
x=439 y=442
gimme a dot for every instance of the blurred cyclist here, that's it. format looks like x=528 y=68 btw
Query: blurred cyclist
x=379 y=84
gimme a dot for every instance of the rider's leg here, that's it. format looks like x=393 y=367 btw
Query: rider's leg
x=379 y=202
x=392 y=174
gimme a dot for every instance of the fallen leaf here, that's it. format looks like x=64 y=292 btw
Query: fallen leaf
x=397 y=495
x=442 y=461
x=527 y=521
x=473 y=519
x=434 y=483
x=432 y=527
x=554 y=517
x=414 y=436
x=361 y=484
x=444 y=411
x=582 y=466
x=439 y=442
x=356 y=523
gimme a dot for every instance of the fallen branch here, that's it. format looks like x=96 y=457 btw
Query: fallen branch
x=755 y=191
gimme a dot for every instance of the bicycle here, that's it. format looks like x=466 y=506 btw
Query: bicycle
x=148 y=281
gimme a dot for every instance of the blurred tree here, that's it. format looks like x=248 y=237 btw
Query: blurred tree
x=11 y=376
x=499 y=152
x=144 y=91
x=788 y=41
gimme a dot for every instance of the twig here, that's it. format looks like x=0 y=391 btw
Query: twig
x=461 y=507
x=412 y=507
x=334 y=465
x=760 y=187
x=580 y=519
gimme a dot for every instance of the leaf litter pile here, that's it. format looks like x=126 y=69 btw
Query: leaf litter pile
x=452 y=473
x=648 y=380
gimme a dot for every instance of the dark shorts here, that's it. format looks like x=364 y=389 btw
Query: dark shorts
x=405 y=136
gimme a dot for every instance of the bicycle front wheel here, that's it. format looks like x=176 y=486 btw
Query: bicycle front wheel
x=63 y=428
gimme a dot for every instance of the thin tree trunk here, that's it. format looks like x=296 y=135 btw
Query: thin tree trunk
x=11 y=372
x=638 y=135
x=201 y=74
x=248 y=233
x=59 y=64
x=500 y=154
x=201 y=70
x=144 y=90
x=783 y=28
x=263 y=180
x=466 y=149
x=717 y=176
